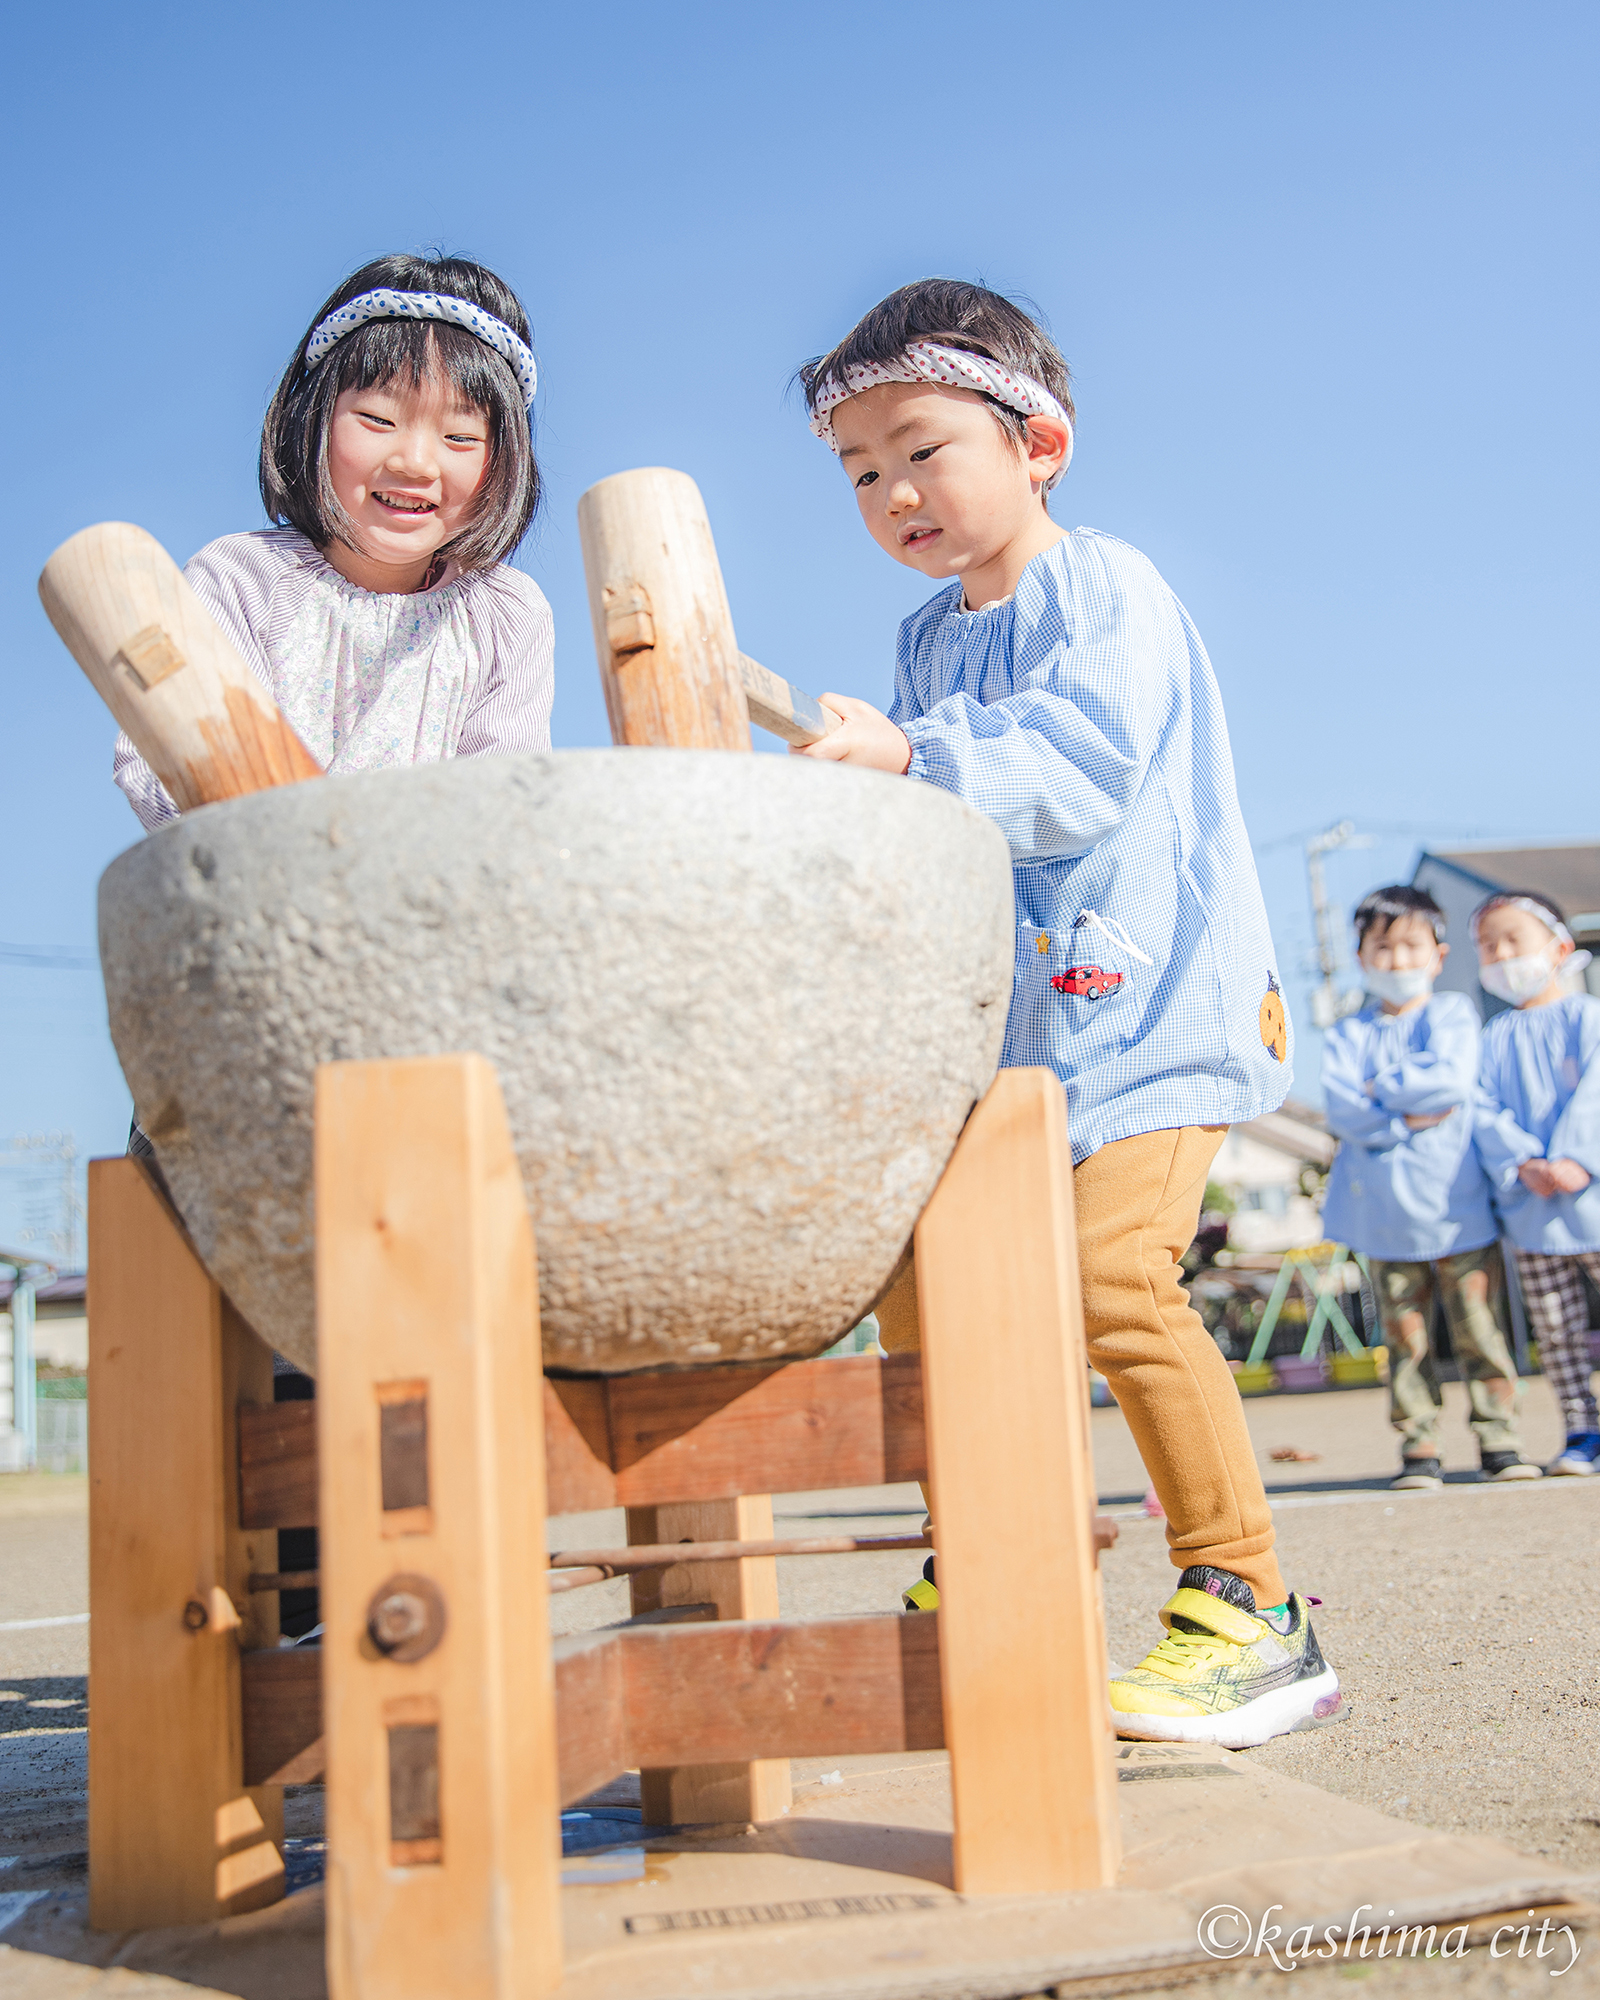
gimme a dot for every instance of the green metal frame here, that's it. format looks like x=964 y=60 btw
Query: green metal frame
x=1325 y=1307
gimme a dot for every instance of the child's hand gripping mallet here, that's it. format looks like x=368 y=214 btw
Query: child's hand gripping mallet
x=194 y=711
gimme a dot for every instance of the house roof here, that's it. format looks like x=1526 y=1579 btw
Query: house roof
x=1571 y=875
x=1294 y=1136
x=69 y=1290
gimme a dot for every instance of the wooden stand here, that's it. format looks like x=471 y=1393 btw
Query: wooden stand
x=175 y=1834
x=429 y=1460
x=444 y=1847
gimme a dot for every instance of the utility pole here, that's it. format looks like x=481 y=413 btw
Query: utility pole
x=1328 y=1004
x=67 y=1236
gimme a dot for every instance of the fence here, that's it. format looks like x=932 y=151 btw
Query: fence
x=63 y=1435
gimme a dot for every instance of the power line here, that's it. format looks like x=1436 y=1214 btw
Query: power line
x=63 y=959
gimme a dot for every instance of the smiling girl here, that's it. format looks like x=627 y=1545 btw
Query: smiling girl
x=397 y=460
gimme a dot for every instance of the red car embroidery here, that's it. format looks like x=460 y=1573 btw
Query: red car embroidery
x=1088 y=980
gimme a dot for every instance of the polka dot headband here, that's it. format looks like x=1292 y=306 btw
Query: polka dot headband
x=1534 y=908
x=426 y=305
x=927 y=361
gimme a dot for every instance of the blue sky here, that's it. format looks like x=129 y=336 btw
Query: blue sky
x=1325 y=277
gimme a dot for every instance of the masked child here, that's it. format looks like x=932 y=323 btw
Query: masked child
x=1058 y=686
x=1407 y=1187
x=382 y=613
x=1538 y=1134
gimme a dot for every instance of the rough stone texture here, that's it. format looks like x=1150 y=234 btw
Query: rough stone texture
x=739 y=1006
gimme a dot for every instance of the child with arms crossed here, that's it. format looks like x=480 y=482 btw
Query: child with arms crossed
x=1407 y=1187
x=396 y=456
x=1058 y=687
x=1538 y=1134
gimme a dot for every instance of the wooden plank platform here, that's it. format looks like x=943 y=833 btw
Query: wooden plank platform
x=849 y=1898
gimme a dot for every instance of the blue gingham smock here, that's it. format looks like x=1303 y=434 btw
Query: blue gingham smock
x=1539 y=1099
x=1081 y=715
x=1396 y=1194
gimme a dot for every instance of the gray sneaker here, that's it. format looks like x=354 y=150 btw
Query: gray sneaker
x=1503 y=1465
x=1418 y=1475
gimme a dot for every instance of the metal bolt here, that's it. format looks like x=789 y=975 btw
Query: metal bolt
x=396 y=1618
x=195 y=1615
x=406 y=1618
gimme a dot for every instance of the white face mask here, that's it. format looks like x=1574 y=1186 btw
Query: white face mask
x=1519 y=979
x=1398 y=988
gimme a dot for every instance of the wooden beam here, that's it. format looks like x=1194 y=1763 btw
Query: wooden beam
x=646 y=1440
x=710 y=1433
x=278 y=1465
x=1007 y=1380
x=690 y=1791
x=438 y=1691
x=591 y=1717
x=282 y=1708
x=819 y=1688
x=708 y=1693
x=174 y=1835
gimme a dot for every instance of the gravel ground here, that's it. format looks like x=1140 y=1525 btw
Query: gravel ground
x=1457 y=1620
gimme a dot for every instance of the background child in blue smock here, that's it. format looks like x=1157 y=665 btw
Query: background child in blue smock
x=1057 y=685
x=1407 y=1188
x=1538 y=1134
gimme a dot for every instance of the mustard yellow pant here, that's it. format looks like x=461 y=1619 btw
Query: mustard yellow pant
x=1138 y=1204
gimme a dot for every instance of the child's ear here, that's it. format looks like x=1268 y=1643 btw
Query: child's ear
x=1444 y=952
x=1048 y=440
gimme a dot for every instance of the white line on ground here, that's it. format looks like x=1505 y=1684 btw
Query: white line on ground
x=1355 y=1497
x=38 y=1624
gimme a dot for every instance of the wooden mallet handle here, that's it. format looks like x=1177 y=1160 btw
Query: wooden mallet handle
x=194 y=711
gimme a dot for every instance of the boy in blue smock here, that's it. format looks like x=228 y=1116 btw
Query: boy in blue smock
x=1058 y=686
x=1407 y=1188
x=1538 y=1134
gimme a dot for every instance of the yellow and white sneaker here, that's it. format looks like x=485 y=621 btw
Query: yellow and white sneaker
x=1224 y=1674
x=924 y=1593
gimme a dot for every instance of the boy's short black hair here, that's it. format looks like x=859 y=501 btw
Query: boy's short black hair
x=295 y=487
x=1387 y=906
x=956 y=315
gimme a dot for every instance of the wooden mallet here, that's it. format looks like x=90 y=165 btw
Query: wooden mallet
x=671 y=669
x=192 y=708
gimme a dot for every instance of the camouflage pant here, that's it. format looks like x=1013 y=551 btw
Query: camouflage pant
x=1472 y=1289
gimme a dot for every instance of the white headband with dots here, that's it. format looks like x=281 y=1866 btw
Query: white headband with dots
x=956 y=368
x=1534 y=908
x=427 y=305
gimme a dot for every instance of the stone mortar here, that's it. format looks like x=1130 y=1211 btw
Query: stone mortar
x=740 y=1007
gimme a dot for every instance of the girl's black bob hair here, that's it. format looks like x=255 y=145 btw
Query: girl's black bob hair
x=956 y=315
x=295 y=487
x=1384 y=907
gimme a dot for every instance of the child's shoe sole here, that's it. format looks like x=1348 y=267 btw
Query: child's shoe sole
x=1523 y=1470
x=1570 y=1466
x=1307 y=1704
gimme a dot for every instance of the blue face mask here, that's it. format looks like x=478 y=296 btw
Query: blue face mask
x=1398 y=988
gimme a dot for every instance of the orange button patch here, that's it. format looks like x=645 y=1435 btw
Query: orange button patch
x=1275 y=1021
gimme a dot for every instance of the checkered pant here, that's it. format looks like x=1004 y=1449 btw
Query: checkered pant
x=1558 y=1314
